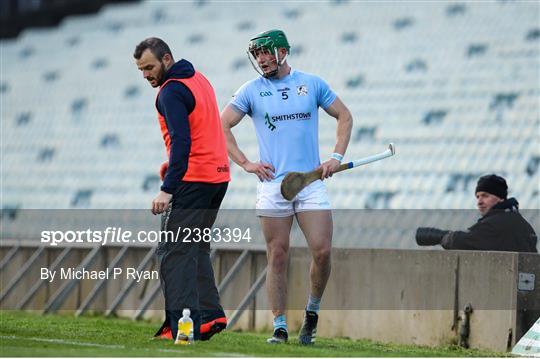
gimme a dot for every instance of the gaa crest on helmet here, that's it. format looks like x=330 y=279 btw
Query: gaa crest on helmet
x=301 y=90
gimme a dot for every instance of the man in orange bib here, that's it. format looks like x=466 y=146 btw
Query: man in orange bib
x=195 y=180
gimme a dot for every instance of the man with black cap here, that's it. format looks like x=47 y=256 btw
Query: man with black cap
x=501 y=227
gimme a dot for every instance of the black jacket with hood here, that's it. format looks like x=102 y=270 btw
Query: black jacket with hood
x=502 y=228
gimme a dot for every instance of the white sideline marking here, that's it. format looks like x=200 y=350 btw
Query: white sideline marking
x=110 y=346
x=62 y=341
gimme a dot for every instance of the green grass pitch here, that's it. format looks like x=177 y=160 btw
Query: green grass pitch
x=31 y=335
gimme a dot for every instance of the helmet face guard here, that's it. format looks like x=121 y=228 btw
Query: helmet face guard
x=270 y=41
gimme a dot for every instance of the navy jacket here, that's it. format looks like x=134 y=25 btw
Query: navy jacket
x=175 y=102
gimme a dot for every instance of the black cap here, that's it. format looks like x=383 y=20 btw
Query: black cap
x=493 y=184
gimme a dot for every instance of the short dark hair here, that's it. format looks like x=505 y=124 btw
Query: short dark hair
x=157 y=46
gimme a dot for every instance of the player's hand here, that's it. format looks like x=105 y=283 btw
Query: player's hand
x=264 y=171
x=328 y=168
x=161 y=202
x=163 y=170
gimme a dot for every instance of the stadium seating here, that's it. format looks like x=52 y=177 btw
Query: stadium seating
x=454 y=85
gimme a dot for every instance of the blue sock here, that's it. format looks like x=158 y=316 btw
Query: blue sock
x=313 y=304
x=280 y=322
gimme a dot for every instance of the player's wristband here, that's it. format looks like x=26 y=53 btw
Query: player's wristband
x=337 y=157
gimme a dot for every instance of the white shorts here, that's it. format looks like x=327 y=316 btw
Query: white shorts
x=270 y=202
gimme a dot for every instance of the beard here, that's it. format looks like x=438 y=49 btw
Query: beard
x=160 y=77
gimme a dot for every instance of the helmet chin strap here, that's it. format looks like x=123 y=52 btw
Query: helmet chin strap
x=278 y=63
x=271 y=74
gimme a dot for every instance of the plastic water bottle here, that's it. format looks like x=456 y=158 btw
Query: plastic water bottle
x=185 y=329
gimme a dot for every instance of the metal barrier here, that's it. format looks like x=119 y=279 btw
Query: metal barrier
x=481 y=299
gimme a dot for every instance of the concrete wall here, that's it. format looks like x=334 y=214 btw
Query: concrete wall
x=402 y=296
x=409 y=296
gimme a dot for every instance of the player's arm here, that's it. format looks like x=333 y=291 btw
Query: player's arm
x=341 y=113
x=175 y=103
x=231 y=117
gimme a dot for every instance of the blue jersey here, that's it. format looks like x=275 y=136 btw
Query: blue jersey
x=285 y=114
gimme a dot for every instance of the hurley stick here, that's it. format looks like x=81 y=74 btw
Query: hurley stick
x=294 y=182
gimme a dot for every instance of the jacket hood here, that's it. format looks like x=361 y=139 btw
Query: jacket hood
x=180 y=70
x=508 y=205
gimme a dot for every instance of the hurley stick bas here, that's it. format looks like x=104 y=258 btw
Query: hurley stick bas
x=294 y=182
